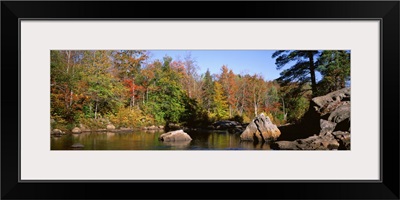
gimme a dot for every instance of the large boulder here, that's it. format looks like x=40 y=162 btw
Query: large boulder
x=110 y=127
x=327 y=142
x=325 y=126
x=343 y=137
x=330 y=102
x=76 y=130
x=260 y=129
x=177 y=135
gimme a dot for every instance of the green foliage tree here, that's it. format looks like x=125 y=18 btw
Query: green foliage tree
x=334 y=65
x=207 y=91
x=302 y=71
x=295 y=101
x=104 y=90
x=126 y=88
x=220 y=105
x=167 y=100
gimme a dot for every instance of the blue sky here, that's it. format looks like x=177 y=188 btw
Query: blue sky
x=240 y=61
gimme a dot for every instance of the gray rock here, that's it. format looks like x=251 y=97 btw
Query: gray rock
x=327 y=142
x=260 y=129
x=329 y=102
x=343 y=138
x=77 y=146
x=327 y=122
x=285 y=145
x=226 y=124
x=177 y=135
x=327 y=127
x=341 y=113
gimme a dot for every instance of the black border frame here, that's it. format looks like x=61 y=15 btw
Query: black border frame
x=385 y=11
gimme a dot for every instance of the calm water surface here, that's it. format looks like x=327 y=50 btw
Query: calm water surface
x=148 y=140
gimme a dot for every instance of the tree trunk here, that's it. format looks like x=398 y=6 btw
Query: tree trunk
x=133 y=92
x=312 y=73
x=95 y=111
x=230 y=111
x=68 y=59
x=147 y=94
x=255 y=105
x=70 y=98
x=284 y=110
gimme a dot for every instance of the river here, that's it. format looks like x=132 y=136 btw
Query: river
x=148 y=140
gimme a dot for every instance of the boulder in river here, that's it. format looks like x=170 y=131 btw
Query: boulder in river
x=84 y=128
x=177 y=135
x=56 y=132
x=110 y=127
x=76 y=130
x=260 y=129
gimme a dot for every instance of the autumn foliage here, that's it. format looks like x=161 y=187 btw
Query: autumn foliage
x=128 y=89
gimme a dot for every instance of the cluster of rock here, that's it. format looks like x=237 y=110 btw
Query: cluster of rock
x=110 y=127
x=153 y=127
x=57 y=132
x=328 y=120
x=260 y=129
x=230 y=126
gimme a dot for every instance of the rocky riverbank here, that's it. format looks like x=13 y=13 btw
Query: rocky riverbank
x=326 y=125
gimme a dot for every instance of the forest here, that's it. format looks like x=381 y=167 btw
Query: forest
x=128 y=89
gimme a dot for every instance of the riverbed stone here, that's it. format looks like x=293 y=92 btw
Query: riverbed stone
x=177 y=135
x=110 y=127
x=84 y=128
x=152 y=127
x=77 y=146
x=76 y=130
x=56 y=131
x=260 y=129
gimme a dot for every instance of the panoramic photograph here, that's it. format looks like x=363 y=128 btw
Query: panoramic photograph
x=200 y=99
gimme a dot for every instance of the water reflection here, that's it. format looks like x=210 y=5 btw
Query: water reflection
x=177 y=144
x=148 y=140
